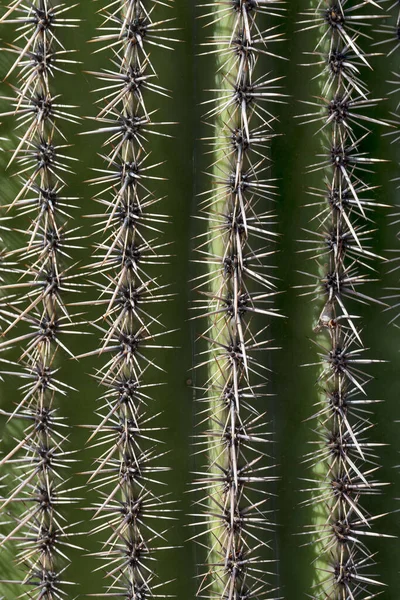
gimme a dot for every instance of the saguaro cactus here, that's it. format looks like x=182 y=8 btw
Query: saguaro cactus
x=222 y=256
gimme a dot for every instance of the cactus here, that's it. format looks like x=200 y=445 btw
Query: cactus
x=203 y=199
x=35 y=296
x=125 y=473
x=237 y=285
x=342 y=463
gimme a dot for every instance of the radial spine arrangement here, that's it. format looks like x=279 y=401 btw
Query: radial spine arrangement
x=33 y=301
x=126 y=472
x=238 y=289
x=343 y=463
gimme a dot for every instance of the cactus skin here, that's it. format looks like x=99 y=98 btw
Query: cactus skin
x=343 y=463
x=186 y=75
x=40 y=278
x=125 y=474
x=237 y=286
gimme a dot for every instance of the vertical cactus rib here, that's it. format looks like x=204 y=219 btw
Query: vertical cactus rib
x=344 y=460
x=237 y=289
x=38 y=278
x=126 y=472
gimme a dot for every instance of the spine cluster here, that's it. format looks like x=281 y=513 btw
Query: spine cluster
x=238 y=290
x=125 y=271
x=343 y=462
x=33 y=302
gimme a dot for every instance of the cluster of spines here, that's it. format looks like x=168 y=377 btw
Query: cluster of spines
x=34 y=303
x=126 y=473
x=238 y=289
x=343 y=462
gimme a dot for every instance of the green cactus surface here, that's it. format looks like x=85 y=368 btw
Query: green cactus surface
x=199 y=308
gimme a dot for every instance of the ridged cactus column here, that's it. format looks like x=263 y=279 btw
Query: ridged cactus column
x=33 y=303
x=125 y=475
x=344 y=471
x=239 y=284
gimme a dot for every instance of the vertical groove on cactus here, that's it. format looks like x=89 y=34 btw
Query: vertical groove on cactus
x=236 y=287
x=127 y=470
x=33 y=303
x=344 y=460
